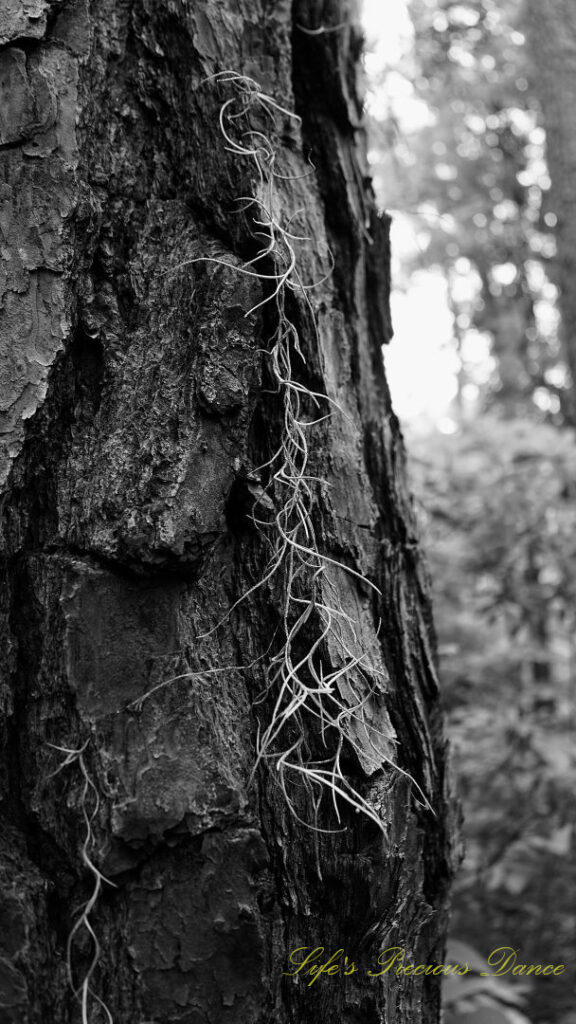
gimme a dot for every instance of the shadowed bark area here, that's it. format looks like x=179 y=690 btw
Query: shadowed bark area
x=137 y=398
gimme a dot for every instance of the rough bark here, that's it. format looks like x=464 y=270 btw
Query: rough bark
x=551 y=31
x=134 y=388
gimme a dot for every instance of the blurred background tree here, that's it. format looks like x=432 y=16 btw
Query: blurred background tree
x=551 y=30
x=474 y=144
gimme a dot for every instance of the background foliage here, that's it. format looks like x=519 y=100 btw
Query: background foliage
x=497 y=496
x=497 y=504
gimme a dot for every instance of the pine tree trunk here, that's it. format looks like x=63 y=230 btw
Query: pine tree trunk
x=138 y=401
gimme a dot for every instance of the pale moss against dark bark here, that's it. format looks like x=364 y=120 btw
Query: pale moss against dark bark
x=134 y=386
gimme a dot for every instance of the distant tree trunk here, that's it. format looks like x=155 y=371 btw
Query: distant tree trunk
x=138 y=400
x=551 y=29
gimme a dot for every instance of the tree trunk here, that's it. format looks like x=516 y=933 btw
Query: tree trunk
x=159 y=465
x=551 y=30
